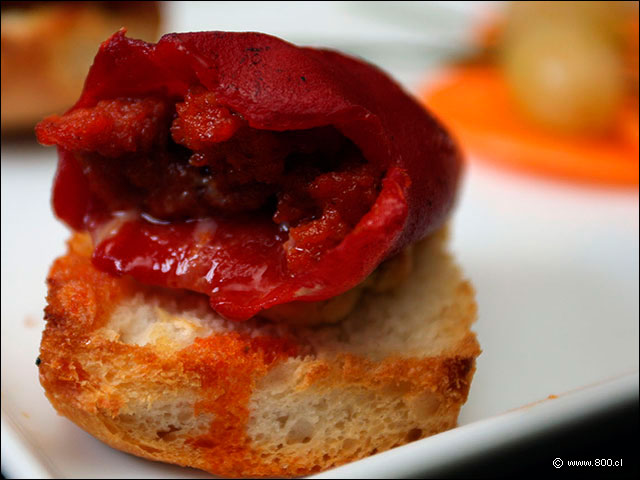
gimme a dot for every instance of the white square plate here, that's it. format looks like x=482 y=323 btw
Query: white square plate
x=555 y=266
x=556 y=272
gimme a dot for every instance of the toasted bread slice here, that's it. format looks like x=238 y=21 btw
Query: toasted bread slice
x=157 y=373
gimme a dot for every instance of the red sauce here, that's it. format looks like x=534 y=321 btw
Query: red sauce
x=112 y=128
x=201 y=122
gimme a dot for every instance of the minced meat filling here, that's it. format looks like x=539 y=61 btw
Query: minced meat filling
x=200 y=159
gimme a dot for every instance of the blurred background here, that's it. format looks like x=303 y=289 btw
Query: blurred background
x=546 y=87
x=543 y=99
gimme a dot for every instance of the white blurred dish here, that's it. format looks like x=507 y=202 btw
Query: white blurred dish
x=555 y=267
x=556 y=272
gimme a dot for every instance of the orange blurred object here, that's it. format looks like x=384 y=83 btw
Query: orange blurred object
x=474 y=102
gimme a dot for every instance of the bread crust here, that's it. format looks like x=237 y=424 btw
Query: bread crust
x=255 y=399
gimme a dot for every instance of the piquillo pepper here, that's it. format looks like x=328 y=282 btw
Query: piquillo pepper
x=245 y=168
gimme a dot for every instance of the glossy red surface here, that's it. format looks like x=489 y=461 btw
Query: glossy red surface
x=224 y=85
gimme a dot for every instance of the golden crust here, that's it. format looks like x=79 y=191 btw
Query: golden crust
x=98 y=382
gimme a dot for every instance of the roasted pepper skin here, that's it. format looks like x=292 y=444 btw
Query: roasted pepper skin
x=278 y=86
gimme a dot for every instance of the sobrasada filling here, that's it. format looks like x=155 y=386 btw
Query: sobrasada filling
x=226 y=180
